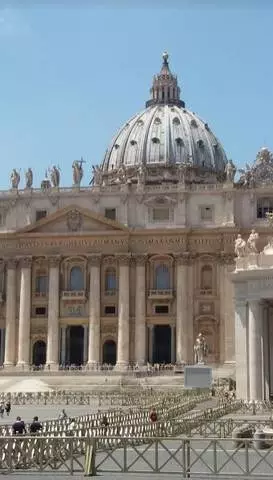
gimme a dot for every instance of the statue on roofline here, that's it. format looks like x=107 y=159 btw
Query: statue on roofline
x=29 y=178
x=77 y=172
x=252 y=241
x=15 y=178
x=54 y=174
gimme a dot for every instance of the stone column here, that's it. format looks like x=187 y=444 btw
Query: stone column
x=184 y=335
x=52 y=351
x=63 y=345
x=123 y=312
x=140 y=310
x=2 y=347
x=85 y=344
x=94 y=312
x=24 y=313
x=172 y=343
x=227 y=329
x=241 y=350
x=255 y=327
x=151 y=343
x=10 y=314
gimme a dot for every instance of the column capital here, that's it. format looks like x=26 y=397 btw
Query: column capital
x=140 y=259
x=150 y=326
x=11 y=263
x=184 y=258
x=109 y=260
x=94 y=260
x=54 y=260
x=25 y=262
x=226 y=258
x=124 y=259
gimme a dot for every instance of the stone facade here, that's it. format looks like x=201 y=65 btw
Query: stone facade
x=133 y=267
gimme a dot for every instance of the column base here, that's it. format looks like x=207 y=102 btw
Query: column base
x=22 y=366
x=51 y=367
x=122 y=366
x=93 y=366
x=9 y=365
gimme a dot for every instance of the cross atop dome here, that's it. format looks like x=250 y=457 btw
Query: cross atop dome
x=165 y=89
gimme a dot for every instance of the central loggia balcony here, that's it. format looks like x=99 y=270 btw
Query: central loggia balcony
x=157 y=294
x=73 y=295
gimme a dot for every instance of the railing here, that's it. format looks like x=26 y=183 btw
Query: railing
x=111 y=292
x=189 y=458
x=72 y=294
x=40 y=294
x=161 y=293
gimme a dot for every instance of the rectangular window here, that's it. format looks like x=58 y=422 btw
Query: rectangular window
x=41 y=285
x=40 y=311
x=160 y=214
x=110 y=213
x=40 y=214
x=110 y=310
x=206 y=212
x=264 y=206
x=162 y=309
x=1 y=219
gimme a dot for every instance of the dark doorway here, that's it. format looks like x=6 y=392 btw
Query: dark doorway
x=39 y=353
x=162 y=344
x=76 y=345
x=109 y=354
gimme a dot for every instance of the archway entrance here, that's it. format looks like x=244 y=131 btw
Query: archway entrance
x=162 y=344
x=75 y=345
x=39 y=353
x=109 y=353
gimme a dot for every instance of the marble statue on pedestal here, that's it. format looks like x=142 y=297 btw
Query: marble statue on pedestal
x=240 y=246
x=252 y=242
x=200 y=349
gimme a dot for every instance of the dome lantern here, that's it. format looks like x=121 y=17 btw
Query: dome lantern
x=165 y=89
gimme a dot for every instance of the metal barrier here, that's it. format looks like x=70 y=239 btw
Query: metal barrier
x=191 y=458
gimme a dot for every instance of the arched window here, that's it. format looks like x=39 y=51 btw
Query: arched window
x=206 y=277
x=76 y=279
x=162 y=277
x=110 y=280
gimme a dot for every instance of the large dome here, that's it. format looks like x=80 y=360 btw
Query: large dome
x=165 y=134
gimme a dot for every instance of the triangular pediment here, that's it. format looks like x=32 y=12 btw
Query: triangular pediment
x=73 y=219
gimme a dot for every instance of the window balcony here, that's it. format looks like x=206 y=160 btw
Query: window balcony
x=110 y=293
x=161 y=294
x=40 y=294
x=73 y=295
x=205 y=291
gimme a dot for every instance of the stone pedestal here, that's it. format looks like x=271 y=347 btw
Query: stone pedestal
x=94 y=312
x=10 y=351
x=123 y=313
x=52 y=353
x=24 y=314
x=140 y=311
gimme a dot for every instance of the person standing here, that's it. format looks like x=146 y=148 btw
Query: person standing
x=8 y=408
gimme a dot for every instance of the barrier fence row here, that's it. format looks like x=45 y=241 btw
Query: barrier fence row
x=191 y=458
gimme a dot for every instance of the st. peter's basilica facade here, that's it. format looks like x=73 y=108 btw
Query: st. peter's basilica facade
x=131 y=268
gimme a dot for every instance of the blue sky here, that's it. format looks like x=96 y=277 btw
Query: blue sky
x=71 y=76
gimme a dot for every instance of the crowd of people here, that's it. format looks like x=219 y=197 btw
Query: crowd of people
x=19 y=427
